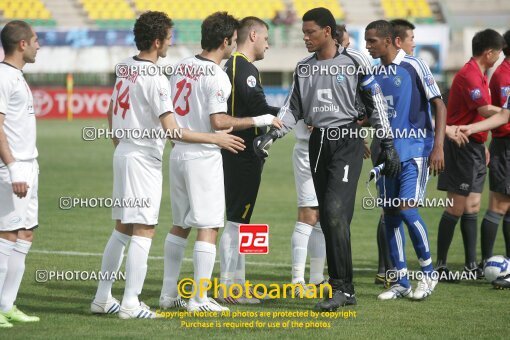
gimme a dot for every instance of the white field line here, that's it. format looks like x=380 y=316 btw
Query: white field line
x=77 y=253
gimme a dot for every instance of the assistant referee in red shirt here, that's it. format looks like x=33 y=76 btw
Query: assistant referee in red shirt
x=499 y=166
x=465 y=168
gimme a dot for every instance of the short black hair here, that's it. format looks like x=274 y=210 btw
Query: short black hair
x=322 y=17
x=382 y=28
x=400 y=27
x=506 y=37
x=340 y=31
x=486 y=40
x=151 y=26
x=215 y=28
x=13 y=32
x=245 y=27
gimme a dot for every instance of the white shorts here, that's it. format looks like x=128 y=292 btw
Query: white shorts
x=137 y=174
x=305 y=190
x=19 y=213
x=197 y=191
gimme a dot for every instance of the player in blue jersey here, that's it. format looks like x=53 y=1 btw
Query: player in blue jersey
x=410 y=89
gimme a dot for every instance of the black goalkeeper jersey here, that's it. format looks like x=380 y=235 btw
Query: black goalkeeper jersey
x=247 y=98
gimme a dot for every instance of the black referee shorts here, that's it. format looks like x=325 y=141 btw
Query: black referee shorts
x=499 y=166
x=242 y=174
x=336 y=164
x=465 y=168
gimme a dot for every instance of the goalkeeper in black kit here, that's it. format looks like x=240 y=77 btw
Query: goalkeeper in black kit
x=327 y=103
x=242 y=171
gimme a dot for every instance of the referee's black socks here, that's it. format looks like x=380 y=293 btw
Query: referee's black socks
x=445 y=236
x=506 y=233
x=469 y=226
x=382 y=248
x=489 y=231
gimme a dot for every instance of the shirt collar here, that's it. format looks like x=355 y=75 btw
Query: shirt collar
x=399 y=57
x=14 y=67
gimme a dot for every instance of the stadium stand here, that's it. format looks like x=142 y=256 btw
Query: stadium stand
x=188 y=15
x=334 y=6
x=33 y=11
x=109 y=14
x=199 y=9
x=406 y=8
x=478 y=13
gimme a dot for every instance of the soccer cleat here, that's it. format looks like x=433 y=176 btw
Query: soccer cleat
x=481 y=266
x=167 y=302
x=425 y=288
x=237 y=298
x=380 y=278
x=445 y=275
x=209 y=306
x=4 y=323
x=112 y=306
x=478 y=272
x=395 y=292
x=140 y=312
x=249 y=298
x=300 y=290
x=15 y=315
x=338 y=300
x=323 y=285
x=502 y=283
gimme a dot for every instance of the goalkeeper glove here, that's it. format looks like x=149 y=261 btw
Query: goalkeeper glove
x=389 y=157
x=261 y=144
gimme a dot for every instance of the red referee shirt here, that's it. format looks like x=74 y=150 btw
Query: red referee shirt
x=500 y=90
x=469 y=91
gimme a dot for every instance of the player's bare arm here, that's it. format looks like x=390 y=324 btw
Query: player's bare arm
x=222 y=121
x=496 y=120
x=436 y=158
x=19 y=184
x=109 y=115
x=222 y=138
x=458 y=138
x=488 y=110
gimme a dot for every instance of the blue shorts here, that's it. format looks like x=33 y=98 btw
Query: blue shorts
x=408 y=187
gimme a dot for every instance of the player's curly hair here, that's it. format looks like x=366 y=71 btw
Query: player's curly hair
x=150 y=26
x=215 y=28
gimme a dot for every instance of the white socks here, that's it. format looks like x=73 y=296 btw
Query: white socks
x=299 y=244
x=112 y=260
x=229 y=253
x=174 y=254
x=317 y=250
x=204 y=255
x=6 y=252
x=136 y=269
x=240 y=275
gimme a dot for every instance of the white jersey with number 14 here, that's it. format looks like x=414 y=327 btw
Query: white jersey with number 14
x=138 y=100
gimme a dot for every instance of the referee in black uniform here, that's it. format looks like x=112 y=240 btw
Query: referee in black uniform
x=326 y=101
x=242 y=171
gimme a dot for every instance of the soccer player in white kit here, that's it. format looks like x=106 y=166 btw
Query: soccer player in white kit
x=19 y=170
x=196 y=170
x=141 y=100
x=308 y=235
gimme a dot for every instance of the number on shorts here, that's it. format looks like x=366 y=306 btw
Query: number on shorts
x=246 y=209
x=346 y=173
x=122 y=99
x=180 y=86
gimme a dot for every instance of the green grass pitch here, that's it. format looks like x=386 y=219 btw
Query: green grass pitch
x=73 y=167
